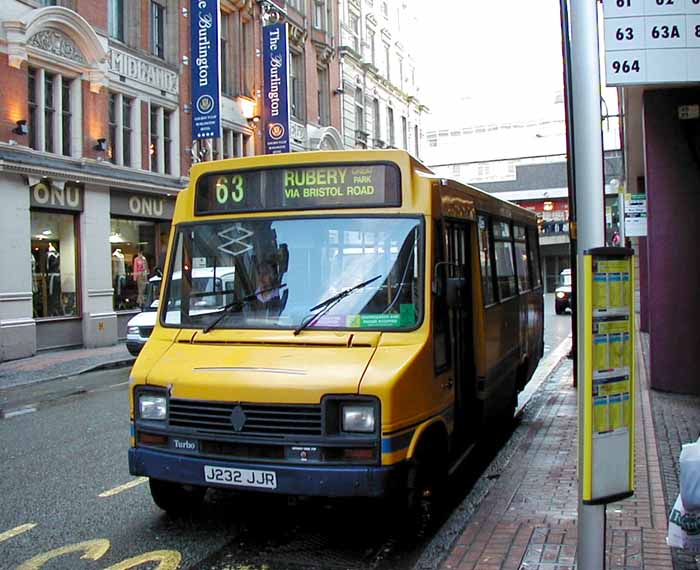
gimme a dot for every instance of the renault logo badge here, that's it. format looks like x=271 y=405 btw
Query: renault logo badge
x=238 y=418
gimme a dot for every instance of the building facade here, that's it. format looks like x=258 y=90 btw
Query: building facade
x=95 y=143
x=314 y=71
x=523 y=160
x=380 y=104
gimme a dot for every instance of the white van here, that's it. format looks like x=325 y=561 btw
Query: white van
x=140 y=327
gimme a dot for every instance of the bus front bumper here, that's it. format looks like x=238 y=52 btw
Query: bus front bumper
x=308 y=479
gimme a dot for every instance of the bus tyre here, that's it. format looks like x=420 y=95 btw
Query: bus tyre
x=174 y=498
x=426 y=485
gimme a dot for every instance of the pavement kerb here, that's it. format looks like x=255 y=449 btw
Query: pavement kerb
x=120 y=363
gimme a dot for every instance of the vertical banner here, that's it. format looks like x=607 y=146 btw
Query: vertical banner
x=276 y=82
x=204 y=61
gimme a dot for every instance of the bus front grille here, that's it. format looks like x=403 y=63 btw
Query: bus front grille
x=255 y=420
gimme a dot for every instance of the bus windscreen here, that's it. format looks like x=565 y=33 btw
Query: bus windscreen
x=317 y=187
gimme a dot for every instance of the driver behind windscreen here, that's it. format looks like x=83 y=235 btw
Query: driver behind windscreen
x=267 y=292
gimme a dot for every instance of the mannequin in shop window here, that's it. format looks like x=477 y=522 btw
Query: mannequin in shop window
x=141 y=277
x=53 y=272
x=119 y=275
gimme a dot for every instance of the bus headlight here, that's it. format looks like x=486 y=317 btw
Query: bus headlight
x=152 y=407
x=132 y=330
x=358 y=418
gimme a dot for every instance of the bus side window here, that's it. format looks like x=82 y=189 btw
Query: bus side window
x=485 y=260
x=533 y=248
x=505 y=270
x=441 y=328
x=521 y=263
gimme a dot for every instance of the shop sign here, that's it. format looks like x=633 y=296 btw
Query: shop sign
x=204 y=38
x=141 y=205
x=276 y=82
x=45 y=195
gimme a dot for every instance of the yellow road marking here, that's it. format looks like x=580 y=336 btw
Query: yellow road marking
x=167 y=560
x=8 y=534
x=126 y=486
x=92 y=550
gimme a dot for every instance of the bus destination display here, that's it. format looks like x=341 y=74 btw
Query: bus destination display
x=299 y=188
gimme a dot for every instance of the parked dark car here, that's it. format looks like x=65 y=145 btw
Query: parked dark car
x=562 y=296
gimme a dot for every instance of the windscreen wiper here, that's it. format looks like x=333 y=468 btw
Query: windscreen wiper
x=240 y=303
x=328 y=304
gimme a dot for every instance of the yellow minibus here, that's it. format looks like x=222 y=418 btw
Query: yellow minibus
x=363 y=321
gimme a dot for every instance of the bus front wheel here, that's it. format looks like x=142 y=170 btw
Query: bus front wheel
x=426 y=484
x=174 y=498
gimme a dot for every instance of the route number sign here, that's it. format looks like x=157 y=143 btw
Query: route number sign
x=651 y=41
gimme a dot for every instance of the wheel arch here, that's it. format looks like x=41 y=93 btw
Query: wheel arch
x=433 y=431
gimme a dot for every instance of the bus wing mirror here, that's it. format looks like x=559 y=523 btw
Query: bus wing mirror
x=455 y=291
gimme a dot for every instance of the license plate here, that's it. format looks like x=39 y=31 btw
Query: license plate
x=240 y=477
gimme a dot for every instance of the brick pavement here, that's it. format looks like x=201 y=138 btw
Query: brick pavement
x=528 y=519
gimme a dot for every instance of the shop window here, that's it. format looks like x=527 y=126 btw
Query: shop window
x=134 y=259
x=54 y=267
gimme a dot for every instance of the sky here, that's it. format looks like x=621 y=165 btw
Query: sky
x=503 y=56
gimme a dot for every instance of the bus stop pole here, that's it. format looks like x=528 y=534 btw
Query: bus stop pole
x=590 y=229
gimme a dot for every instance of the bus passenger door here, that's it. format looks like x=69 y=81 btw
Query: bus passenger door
x=458 y=256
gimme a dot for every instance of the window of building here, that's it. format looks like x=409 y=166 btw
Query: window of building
x=54 y=264
x=485 y=261
x=359 y=116
x=32 y=122
x=355 y=30
x=161 y=134
x=296 y=85
x=400 y=66
x=416 y=141
x=167 y=143
x=115 y=19
x=51 y=111
x=320 y=14
x=323 y=94
x=404 y=132
x=154 y=146
x=376 y=126
x=126 y=130
x=385 y=9
x=120 y=128
x=390 y=126
x=298 y=5
x=138 y=247
x=503 y=252
x=225 y=25
x=112 y=127
x=157 y=29
x=372 y=46
x=387 y=61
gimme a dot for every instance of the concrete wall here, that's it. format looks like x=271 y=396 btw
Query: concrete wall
x=17 y=328
x=672 y=152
